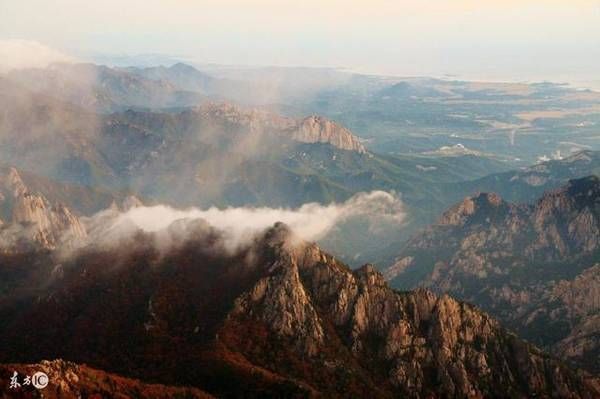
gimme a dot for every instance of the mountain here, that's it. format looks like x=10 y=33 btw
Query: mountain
x=408 y=90
x=312 y=129
x=83 y=200
x=180 y=75
x=211 y=148
x=30 y=216
x=274 y=86
x=219 y=154
x=187 y=78
x=105 y=89
x=98 y=88
x=276 y=317
x=522 y=122
x=68 y=143
x=449 y=182
x=49 y=137
x=534 y=266
x=527 y=184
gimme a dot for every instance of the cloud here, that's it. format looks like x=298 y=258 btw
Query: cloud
x=17 y=53
x=310 y=221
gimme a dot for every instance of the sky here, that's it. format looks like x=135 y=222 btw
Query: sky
x=493 y=39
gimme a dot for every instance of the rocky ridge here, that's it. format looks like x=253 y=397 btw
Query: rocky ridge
x=316 y=129
x=312 y=129
x=32 y=217
x=518 y=261
x=279 y=318
x=417 y=335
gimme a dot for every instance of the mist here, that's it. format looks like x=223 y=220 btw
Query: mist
x=18 y=53
x=239 y=225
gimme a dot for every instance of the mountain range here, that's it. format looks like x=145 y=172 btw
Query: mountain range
x=140 y=254
x=228 y=155
x=214 y=153
x=277 y=317
x=532 y=265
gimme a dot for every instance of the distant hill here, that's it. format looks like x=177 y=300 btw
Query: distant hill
x=102 y=89
x=527 y=184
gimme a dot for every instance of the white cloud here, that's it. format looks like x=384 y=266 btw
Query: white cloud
x=17 y=53
x=311 y=221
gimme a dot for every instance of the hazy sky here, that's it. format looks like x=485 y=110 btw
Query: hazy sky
x=498 y=39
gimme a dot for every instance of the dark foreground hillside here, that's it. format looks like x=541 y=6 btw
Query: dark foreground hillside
x=276 y=318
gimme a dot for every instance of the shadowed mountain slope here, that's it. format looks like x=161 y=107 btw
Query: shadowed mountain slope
x=278 y=317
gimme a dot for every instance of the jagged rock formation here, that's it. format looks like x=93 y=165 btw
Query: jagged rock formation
x=11 y=181
x=83 y=200
x=32 y=217
x=68 y=380
x=573 y=305
x=144 y=151
x=277 y=318
x=316 y=129
x=519 y=262
x=312 y=129
x=220 y=153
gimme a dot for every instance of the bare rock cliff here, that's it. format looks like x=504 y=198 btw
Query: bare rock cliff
x=316 y=129
x=519 y=262
x=33 y=217
x=427 y=344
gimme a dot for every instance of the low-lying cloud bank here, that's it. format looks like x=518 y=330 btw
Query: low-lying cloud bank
x=18 y=53
x=239 y=225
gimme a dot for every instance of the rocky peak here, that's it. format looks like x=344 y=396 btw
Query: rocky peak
x=12 y=182
x=30 y=208
x=284 y=315
x=316 y=129
x=506 y=258
x=576 y=194
x=278 y=234
x=312 y=129
x=574 y=208
x=66 y=223
x=413 y=333
x=584 y=192
x=32 y=217
x=280 y=301
x=46 y=224
x=370 y=275
x=479 y=204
